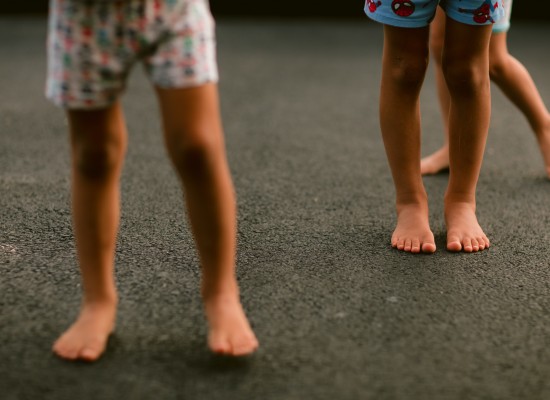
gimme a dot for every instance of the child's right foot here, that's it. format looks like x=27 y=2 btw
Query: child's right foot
x=436 y=162
x=87 y=338
x=413 y=233
x=229 y=331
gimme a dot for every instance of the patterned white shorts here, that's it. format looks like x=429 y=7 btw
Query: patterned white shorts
x=92 y=46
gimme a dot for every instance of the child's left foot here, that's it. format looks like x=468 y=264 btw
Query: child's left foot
x=229 y=331
x=463 y=230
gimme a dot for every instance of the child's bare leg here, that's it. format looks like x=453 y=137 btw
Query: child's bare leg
x=405 y=61
x=194 y=139
x=466 y=68
x=438 y=160
x=516 y=83
x=98 y=140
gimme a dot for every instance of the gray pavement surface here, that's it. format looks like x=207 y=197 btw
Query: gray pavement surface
x=340 y=315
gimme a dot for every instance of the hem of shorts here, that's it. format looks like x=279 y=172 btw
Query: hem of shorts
x=501 y=29
x=214 y=79
x=467 y=18
x=397 y=22
x=79 y=105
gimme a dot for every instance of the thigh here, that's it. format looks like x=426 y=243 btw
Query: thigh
x=437 y=33
x=465 y=43
x=190 y=115
x=498 y=48
x=98 y=129
x=405 y=45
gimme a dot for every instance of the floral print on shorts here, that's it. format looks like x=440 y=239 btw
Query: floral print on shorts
x=92 y=46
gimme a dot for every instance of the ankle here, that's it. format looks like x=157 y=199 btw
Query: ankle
x=100 y=300
x=220 y=291
x=407 y=200
x=459 y=202
x=452 y=198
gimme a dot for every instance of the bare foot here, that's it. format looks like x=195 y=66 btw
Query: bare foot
x=463 y=230
x=87 y=338
x=413 y=233
x=229 y=331
x=543 y=138
x=436 y=162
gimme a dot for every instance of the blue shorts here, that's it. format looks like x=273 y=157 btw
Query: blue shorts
x=504 y=24
x=419 y=13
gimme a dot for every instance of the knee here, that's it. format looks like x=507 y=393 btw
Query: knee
x=463 y=77
x=98 y=161
x=436 y=49
x=192 y=150
x=409 y=74
x=496 y=68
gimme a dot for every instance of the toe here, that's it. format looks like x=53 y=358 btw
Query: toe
x=400 y=244
x=467 y=243
x=408 y=245
x=428 y=247
x=64 y=350
x=244 y=348
x=89 y=354
x=67 y=353
x=475 y=245
x=481 y=243
x=220 y=346
x=415 y=247
x=453 y=243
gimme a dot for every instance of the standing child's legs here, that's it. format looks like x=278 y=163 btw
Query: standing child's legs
x=516 y=83
x=98 y=140
x=404 y=64
x=466 y=69
x=194 y=139
x=92 y=48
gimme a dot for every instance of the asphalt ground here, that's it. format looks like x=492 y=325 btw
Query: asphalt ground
x=340 y=315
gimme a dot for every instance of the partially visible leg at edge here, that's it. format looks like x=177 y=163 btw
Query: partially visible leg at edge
x=516 y=83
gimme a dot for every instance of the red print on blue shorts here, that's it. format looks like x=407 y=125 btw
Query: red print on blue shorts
x=372 y=6
x=403 y=8
x=482 y=14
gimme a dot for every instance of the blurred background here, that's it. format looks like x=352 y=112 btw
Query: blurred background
x=523 y=9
